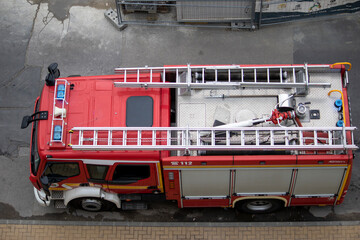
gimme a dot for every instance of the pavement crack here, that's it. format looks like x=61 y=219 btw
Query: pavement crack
x=31 y=33
x=31 y=3
x=5 y=84
x=68 y=26
x=13 y=77
x=46 y=22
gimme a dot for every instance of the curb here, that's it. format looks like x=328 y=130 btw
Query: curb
x=180 y=224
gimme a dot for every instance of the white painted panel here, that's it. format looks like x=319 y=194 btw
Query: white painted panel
x=318 y=181
x=192 y=115
x=205 y=182
x=262 y=180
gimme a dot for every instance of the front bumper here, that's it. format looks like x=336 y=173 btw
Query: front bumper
x=41 y=197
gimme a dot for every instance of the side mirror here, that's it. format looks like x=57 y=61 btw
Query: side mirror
x=41 y=115
x=54 y=73
x=26 y=121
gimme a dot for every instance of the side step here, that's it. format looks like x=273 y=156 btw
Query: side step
x=59 y=204
x=134 y=205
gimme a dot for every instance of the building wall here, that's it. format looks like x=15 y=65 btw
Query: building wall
x=286 y=10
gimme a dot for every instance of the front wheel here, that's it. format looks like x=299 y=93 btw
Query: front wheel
x=259 y=205
x=92 y=204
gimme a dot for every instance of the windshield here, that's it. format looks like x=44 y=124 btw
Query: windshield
x=34 y=154
x=57 y=172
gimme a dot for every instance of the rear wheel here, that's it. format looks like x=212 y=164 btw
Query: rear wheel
x=92 y=204
x=259 y=205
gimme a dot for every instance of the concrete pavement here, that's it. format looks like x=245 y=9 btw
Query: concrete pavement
x=82 y=41
x=179 y=231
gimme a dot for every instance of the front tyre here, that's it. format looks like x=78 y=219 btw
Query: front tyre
x=259 y=205
x=92 y=204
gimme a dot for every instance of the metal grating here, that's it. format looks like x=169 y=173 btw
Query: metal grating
x=235 y=14
x=59 y=204
x=219 y=11
x=57 y=194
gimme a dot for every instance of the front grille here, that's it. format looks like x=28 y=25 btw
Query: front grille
x=59 y=204
x=57 y=194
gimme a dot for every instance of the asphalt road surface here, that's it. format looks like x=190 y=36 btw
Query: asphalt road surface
x=82 y=41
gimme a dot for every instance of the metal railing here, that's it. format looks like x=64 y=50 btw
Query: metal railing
x=221 y=14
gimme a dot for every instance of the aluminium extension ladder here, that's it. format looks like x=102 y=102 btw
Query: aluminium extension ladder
x=212 y=138
x=224 y=77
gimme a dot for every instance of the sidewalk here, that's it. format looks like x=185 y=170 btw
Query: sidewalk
x=104 y=230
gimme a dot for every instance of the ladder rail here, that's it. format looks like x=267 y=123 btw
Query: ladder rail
x=61 y=119
x=218 y=129
x=214 y=147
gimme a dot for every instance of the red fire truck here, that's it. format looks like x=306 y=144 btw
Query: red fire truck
x=251 y=137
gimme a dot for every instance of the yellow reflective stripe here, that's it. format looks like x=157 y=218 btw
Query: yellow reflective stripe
x=343 y=184
x=57 y=189
x=277 y=166
x=127 y=187
x=258 y=166
x=160 y=186
x=73 y=184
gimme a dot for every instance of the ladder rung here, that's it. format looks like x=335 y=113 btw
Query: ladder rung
x=203 y=75
x=139 y=138
x=212 y=138
x=168 y=135
x=242 y=138
x=109 y=137
x=294 y=75
x=81 y=137
x=272 y=137
x=301 y=138
x=198 y=142
x=228 y=136
x=153 y=140
x=95 y=137
x=124 y=132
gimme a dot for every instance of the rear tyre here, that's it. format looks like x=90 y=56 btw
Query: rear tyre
x=92 y=204
x=259 y=205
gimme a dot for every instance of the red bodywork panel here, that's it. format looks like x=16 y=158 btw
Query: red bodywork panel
x=95 y=102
